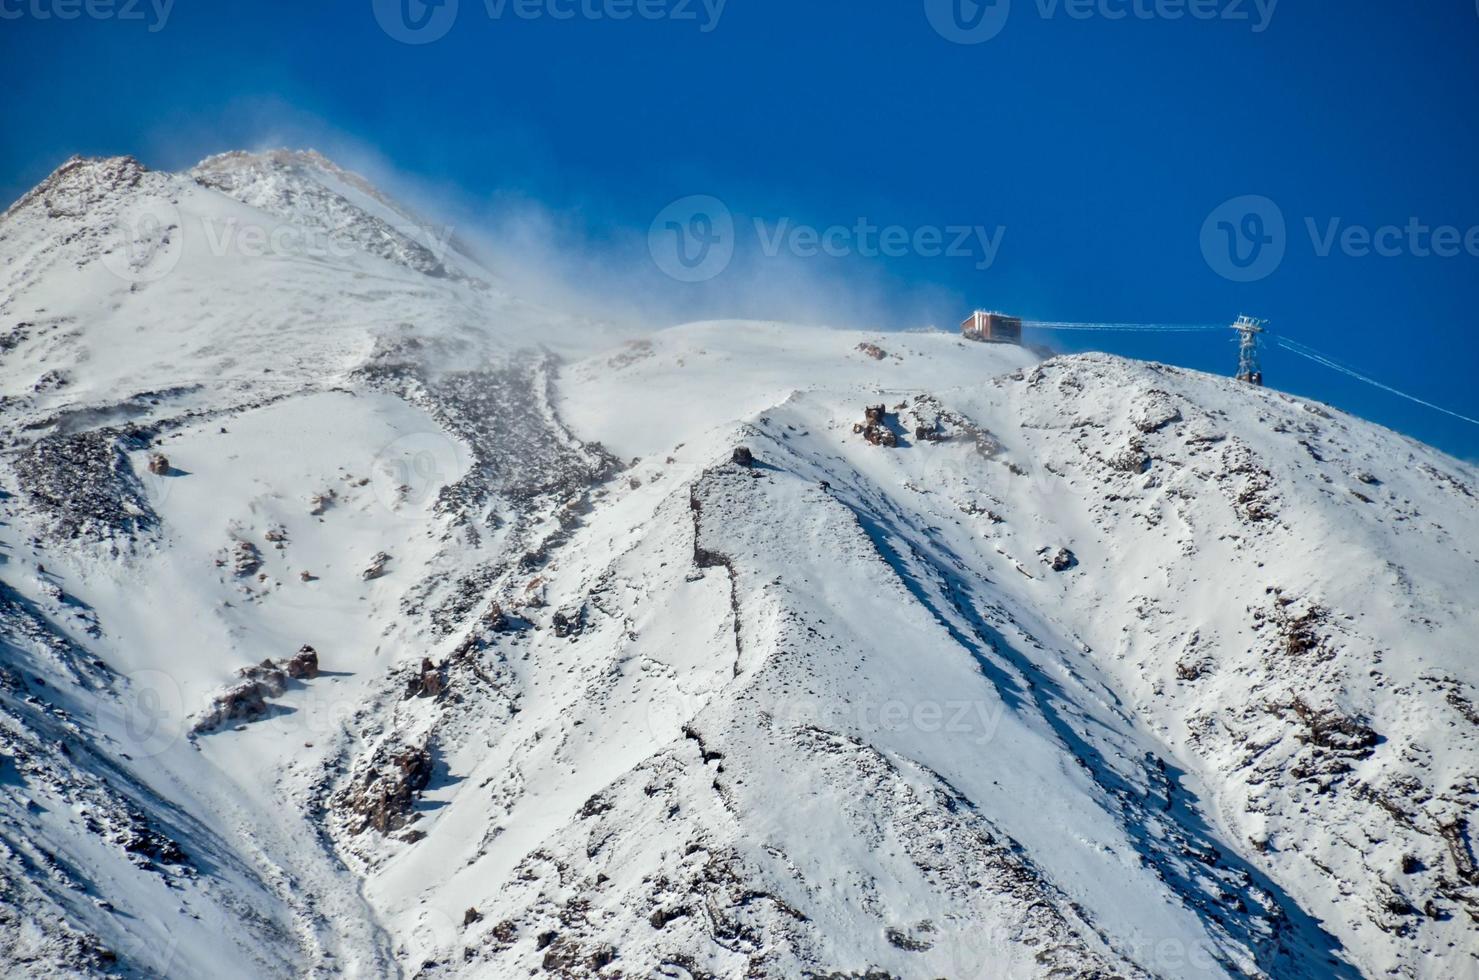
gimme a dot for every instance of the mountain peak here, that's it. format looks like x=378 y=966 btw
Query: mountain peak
x=82 y=181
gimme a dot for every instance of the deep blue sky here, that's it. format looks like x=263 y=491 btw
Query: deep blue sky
x=1100 y=145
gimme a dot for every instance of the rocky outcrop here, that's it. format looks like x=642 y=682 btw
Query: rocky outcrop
x=247 y=700
x=382 y=794
x=376 y=567
x=83 y=486
x=875 y=428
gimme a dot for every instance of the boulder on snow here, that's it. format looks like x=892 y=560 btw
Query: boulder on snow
x=874 y=428
x=244 y=702
x=321 y=501
x=1060 y=559
x=247 y=699
x=304 y=664
x=376 y=568
x=742 y=456
x=245 y=559
x=158 y=464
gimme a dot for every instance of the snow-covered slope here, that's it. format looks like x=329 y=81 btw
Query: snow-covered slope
x=1080 y=667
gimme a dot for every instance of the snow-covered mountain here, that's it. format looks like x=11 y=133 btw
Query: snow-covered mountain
x=358 y=618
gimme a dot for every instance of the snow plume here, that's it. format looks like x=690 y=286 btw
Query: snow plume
x=624 y=267
x=588 y=256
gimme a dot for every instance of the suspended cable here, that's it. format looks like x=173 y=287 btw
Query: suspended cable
x=1124 y=327
x=1293 y=347
x=1322 y=359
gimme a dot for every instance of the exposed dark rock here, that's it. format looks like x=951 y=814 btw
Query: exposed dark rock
x=304 y=664
x=494 y=618
x=567 y=958
x=1455 y=835
x=929 y=433
x=247 y=700
x=874 y=428
x=244 y=702
x=1328 y=729
x=246 y=560
x=383 y=793
x=569 y=623
x=742 y=456
x=430 y=681
x=83 y=485
x=661 y=917
x=903 y=940
x=320 y=502
x=376 y=568
x=1059 y=560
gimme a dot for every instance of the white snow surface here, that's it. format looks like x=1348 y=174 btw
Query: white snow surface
x=1104 y=668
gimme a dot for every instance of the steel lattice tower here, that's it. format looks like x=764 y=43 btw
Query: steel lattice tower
x=1249 y=330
